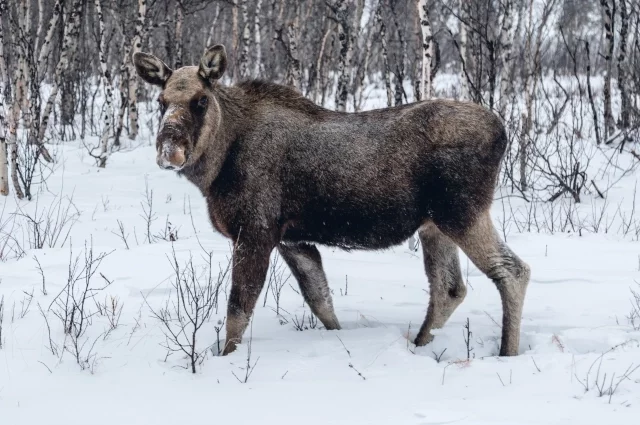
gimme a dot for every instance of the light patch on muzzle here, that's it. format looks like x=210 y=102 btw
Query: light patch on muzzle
x=170 y=155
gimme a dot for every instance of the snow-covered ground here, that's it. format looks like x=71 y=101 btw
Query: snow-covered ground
x=575 y=331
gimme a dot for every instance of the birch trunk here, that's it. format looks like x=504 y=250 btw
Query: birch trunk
x=427 y=50
x=246 y=36
x=507 y=34
x=69 y=42
x=136 y=45
x=339 y=8
x=295 y=78
x=46 y=46
x=123 y=90
x=385 y=54
x=622 y=67
x=609 y=13
x=257 y=69
x=108 y=90
x=234 y=42
x=179 y=39
x=209 y=41
x=319 y=69
x=359 y=89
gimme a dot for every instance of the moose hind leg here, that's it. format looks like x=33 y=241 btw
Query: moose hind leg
x=447 y=289
x=510 y=274
x=306 y=265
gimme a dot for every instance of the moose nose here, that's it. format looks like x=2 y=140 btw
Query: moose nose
x=171 y=157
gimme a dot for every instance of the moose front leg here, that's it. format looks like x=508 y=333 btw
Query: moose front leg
x=250 y=265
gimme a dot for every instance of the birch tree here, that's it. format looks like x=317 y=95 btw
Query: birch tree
x=385 y=54
x=427 y=50
x=106 y=84
x=341 y=12
x=257 y=40
x=622 y=68
x=69 y=43
x=608 y=9
x=136 y=45
x=246 y=38
x=179 y=41
x=507 y=34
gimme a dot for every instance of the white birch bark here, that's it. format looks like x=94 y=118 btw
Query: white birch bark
x=106 y=84
x=210 y=36
x=257 y=69
x=136 y=45
x=235 y=35
x=69 y=41
x=46 y=46
x=385 y=54
x=339 y=8
x=609 y=125
x=179 y=39
x=294 y=68
x=319 y=69
x=507 y=35
x=246 y=36
x=427 y=50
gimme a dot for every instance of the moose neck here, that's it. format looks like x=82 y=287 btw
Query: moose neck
x=234 y=116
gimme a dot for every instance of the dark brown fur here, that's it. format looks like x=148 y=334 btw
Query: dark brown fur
x=281 y=172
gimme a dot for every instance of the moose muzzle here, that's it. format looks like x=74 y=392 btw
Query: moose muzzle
x=172 y=140
x=171 y=156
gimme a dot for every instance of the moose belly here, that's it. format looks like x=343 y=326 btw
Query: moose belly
x=353 y=228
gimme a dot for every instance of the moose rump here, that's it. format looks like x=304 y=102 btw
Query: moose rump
x=279 y=172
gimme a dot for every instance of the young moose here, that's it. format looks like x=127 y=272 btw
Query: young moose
x=280 y=172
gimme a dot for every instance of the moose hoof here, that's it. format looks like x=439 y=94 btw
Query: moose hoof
x=423 y=339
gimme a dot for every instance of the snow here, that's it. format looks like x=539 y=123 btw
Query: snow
x=368 y=373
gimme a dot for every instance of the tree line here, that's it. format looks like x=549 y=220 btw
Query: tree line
x=66 y=71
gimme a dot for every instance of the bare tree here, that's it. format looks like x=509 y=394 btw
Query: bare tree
x=609 y=11
x=105 y=74
x=257 y=68
x=136 y=45
x=341 y=13
x=427 y=50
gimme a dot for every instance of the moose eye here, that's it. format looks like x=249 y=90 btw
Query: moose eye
x=202 y=102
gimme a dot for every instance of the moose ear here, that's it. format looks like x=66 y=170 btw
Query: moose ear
x=213 y=63
x=151 y=69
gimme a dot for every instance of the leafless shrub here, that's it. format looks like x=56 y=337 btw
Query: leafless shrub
x=248 y=367
x=466 y=334
x=44 y=281
x=111 y=308
x=25 y=303
x=168 y=233
x=277 y=280
x=50 y=227
x=53 y=347
x=603 y=385
x=122 y=234
x=10 y=247
x=71 y=305
x=193 y=301
x=147 y=211
x=301 y=324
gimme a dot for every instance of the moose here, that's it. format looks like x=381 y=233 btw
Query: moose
x=280 y=172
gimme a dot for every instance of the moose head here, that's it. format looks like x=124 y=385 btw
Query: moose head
x=190 y=111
